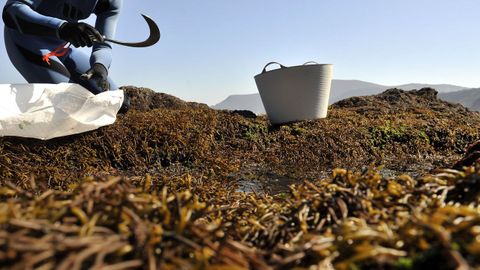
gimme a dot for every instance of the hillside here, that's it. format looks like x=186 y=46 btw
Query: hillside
x=251 y=102
x=441 y=88
x=341 y=89
x=469 y=98
x=161 y=189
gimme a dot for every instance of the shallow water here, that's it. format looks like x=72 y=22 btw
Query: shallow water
x=269 y=183
x=275 y=185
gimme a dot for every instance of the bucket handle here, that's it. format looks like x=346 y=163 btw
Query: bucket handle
x=271 y=63
x=311 y=62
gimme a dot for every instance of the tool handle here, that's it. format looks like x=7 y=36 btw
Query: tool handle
x=94 y=39
x=271 y=63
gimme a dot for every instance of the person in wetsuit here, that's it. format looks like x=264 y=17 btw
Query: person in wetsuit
x=34 y=28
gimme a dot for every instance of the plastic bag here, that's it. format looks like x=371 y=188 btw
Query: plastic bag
x=46 y=111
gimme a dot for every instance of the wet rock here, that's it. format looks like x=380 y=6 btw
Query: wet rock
x=466 y=190
x=471 y=157
x=245 y=113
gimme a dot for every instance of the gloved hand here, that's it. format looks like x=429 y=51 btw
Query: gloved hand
x=99 y=73
x=79 y=34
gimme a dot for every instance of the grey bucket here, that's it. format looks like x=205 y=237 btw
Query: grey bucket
x=295 y=93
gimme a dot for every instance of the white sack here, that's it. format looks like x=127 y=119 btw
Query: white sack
x=45 y=111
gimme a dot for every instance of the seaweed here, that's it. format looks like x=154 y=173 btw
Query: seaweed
x=159 y=189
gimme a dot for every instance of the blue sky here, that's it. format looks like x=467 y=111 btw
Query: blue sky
x=213 y=48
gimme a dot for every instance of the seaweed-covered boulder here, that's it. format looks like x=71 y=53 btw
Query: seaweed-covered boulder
x=144 y=99
x=159 y=189
x=394 y=101
x=405 y=131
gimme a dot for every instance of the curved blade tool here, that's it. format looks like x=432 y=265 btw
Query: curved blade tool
x=150 y=41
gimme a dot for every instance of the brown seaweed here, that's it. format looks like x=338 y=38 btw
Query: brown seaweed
x=158 y=190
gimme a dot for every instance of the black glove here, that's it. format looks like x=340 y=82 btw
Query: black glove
x=99 y=73
x=79 y=34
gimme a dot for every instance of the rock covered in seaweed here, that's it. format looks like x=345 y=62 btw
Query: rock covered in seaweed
x=158 y=189
x=400 y=101
x=144 y=99
x=406 y=131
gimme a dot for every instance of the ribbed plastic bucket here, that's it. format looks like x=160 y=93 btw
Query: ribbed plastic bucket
x=295 y=93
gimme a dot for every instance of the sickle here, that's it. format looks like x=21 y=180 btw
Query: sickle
x=150 y=41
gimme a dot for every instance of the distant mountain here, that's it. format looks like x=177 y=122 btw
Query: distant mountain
x=251 y=102
x=469 y=98
x=441 y=88
x=341 y=89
